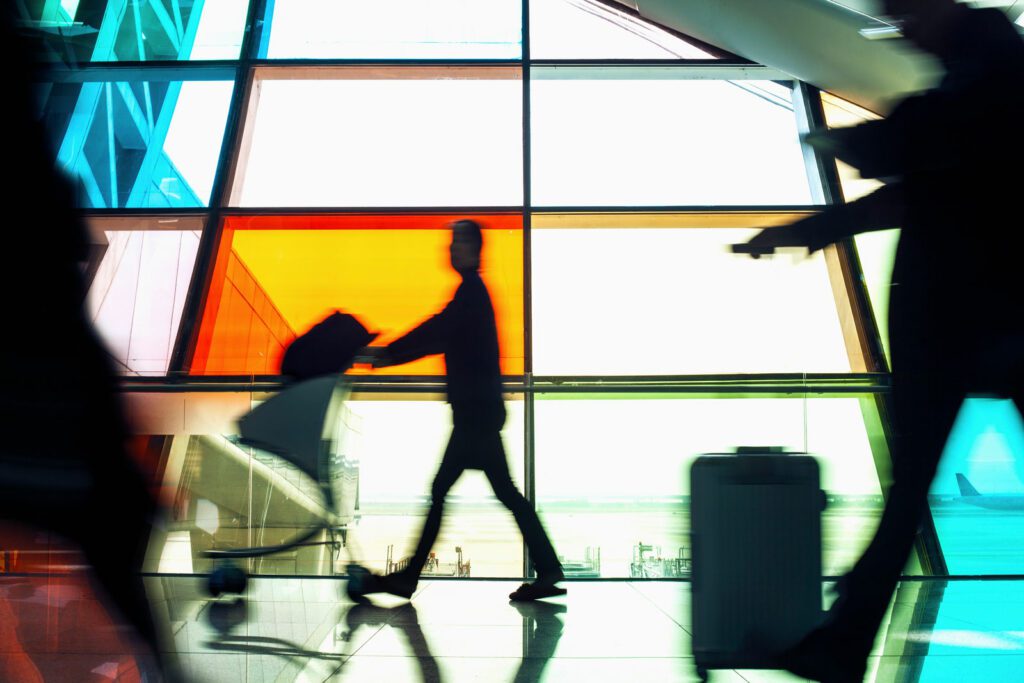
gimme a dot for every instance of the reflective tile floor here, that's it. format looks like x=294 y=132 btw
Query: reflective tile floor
x=53 y=628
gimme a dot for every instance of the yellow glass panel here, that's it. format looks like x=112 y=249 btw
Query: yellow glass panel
x=391 y=272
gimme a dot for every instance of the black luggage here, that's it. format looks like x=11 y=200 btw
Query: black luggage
x=328 y=348
x=756 y=542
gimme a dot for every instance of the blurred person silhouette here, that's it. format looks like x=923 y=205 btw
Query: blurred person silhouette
x=64 y=460
x=466 y=333
x=948 y=158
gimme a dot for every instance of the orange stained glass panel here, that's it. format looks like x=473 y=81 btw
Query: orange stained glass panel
x=276 y=276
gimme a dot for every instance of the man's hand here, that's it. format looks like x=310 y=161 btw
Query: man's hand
x=835 y=142
x=768 y=240
x=375 y=356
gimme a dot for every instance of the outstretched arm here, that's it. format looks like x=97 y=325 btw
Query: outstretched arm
x=877 y=211
x=425 y=339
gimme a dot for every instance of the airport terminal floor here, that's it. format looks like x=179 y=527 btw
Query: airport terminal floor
x=54 y=628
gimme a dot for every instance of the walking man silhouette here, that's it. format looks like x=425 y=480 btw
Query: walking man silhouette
x=955 y=323
x=466 y=333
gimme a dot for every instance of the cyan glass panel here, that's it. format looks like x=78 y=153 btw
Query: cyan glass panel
x=392 y=29
x=612 y=472
x=977 y=498
x=137 y=30
x=138 y=144
x=956 y=630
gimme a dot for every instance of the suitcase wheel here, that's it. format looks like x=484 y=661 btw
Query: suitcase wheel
x=227 y=578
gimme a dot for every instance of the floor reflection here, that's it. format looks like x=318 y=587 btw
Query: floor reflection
x=542 y=629
x=57 y=628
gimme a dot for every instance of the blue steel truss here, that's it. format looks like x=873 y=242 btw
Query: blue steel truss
x=116 y=132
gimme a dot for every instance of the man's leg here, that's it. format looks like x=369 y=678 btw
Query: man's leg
x=447 y=474
x=924 y=411
x=924 y=416
x=494 y=465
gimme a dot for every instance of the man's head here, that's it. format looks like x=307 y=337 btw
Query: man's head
x=925 y=23
x=467 y=241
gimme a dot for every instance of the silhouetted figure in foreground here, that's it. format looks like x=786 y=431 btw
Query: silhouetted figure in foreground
x=955 y=323
x=64 y=464
x=465 y=332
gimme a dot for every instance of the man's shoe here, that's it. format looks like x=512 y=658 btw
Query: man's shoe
x=361 y=582
x=821 y=656
x=532 y=591
x=398 y=584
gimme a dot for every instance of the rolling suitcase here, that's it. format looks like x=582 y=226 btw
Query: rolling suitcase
x=755 y=525
x=327 y=348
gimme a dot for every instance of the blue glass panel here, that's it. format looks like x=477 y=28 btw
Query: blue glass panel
x=137 y=30
x=145 y=144
x=392 y=29
x=979 y=515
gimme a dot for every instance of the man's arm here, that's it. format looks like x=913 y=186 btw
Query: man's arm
x=879 y=210
x=425 y=339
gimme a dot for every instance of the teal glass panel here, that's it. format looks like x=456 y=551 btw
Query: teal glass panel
x=954 y=631
x=977 y=498
x=76 y=31
x=612 y=472
x=139 y=144
x=392 y=29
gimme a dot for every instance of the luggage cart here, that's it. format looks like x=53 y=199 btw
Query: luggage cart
x=305 y=425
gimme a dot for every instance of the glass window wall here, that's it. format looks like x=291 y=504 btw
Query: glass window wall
x=142 y=271
x=392 y=29
x=663 y=136
x=613 y=471
x=590 y=29
x=277 y=276
x=222 y=494
x=383 y=136
x=76 y=31
x=138 y=144
x=663 y=295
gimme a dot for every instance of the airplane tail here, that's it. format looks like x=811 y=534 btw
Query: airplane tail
x=966 y=489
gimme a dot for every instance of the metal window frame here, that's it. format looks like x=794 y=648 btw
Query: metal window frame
x=822 y=175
